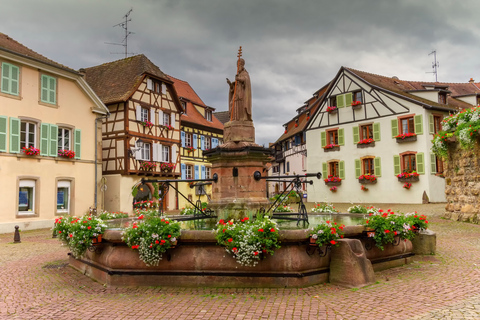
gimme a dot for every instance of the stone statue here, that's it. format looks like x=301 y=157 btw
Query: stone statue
x=240 y=95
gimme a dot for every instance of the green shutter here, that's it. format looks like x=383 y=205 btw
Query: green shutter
x=78 y=143
x=431 y=124
x=44 y=138
x=341 y=170
x=3 y=134
x=341 y=137
x=324 y=170
x=348 y=99
x=433 y=163
x=44 y=88
x=397 y=169
x=394 y=128
x=14 y=135
x=358 y=168
x=52 y=94
x=49 y=88
x=323 y=139
x=420 y=163
x=5 y=77
x=14 y=80
x=376 y=131
x=356 y=135
x=418 y=121
x=378 y=166
x=53 y=145
x=340 y=101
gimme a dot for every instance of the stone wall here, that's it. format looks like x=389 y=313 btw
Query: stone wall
x=462 y=183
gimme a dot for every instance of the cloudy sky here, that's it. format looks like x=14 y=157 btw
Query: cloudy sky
x=291 y=47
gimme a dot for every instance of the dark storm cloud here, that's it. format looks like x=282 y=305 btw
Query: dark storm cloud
x=291 y=48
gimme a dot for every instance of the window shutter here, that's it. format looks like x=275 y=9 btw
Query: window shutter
x=3 y=134
x=14 y=80
x=149 y=84
x=431 y=124
x=197 y=172
x=376 y=131
x=174 y=154
x=418 y=121
x=323 y=139
x=203 y=172
x=160 y=117
x=138 y=113
x=397 y=169
x=5 y=77
x=14 y=135
x=214 y=143
x=420 y=163
x=341 y=170
x=341 y=137
x=183 y=138
x=155 y=153
x=184 y=171
x=152 y=115
x=394 y=128
x=52 y=87
x=356 y=135
x=44 y=139
x=433 y=163
x=44 y=92
x=53 y=145
x=202 y=142
x=78 y=143
x=358 y=168
x=172 y=121
x=348 y=99
x=161 y=157
x=164 y=88
x=324 y=170
x=195 y=142
x=378 y=166
x=340 y=101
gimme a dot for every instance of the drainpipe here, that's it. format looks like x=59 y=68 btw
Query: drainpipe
x=96 y=154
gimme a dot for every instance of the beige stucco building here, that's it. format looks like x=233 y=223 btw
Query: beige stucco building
x=46 y=106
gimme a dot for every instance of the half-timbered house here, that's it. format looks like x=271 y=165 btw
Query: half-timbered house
x=374 y=133
x=200 y=131
x=49 y=137
x=141 y=137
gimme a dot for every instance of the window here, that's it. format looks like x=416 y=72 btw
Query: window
x=166 y=153
x=332 y=136
x=48 y=89
x=333 y=169
x=275 y=169
x=368 y=166
x=63 y=196
x=143 y=114
x=288 y=167
x=407 y=125
x=333 y=102
x=208 y=172
x=26 y=197
x=166 y=119
x=189 y=171
x=437 y=123
x=10 y=79
x=438 y=165
x=366 y=132
x=208 y=115
x=442 y=98
x=28 y=134
x=208 y=143
x=357 y=96
x=409 y=162
x=184 y=106
x=188 y=139
x=157 y=86
x=64 y=139
x=144 y=151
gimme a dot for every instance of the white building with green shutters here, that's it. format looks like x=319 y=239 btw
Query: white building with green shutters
x=369 y=129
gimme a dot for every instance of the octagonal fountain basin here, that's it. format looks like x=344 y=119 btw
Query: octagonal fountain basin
x=199 y=261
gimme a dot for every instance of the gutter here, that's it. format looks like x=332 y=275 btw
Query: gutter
x=96 y=154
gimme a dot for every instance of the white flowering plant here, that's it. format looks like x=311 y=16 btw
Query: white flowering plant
x=283 y=208
x=152 y=236
x=105 y=215
x=248 y=240
x=78 y=233
x=327 y=233
x=362 y=209
x=324 y=207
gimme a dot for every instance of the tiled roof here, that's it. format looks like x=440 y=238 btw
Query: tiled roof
x=12 y=46
x=115 y=81
x=192 y=115
x=223 y=116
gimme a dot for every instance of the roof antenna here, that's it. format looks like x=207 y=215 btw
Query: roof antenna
x=435 y=64
x=124 y=42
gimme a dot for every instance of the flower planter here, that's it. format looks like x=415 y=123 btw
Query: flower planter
x=409 y=179
x=366 y=145
x=369 y=233
x=357 y=107
x=332 y=149
x=333 y=111
x=451 y=139
x=366 y=181
x=333 y=183
x=174 y=244
x=313 y=242
x=406 y=139
x=96 y=241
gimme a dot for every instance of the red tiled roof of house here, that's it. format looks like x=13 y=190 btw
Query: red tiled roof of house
x=10 y=45
x=116 y=81
x=222 y=116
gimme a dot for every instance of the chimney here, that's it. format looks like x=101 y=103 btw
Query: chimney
x=471 y=80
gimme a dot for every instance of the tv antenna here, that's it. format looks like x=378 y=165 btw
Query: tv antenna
x=124 y=42
x=435 y=64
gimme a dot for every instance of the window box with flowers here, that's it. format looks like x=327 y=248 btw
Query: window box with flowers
x=147 y=124
x=31 y=151
x=66 y=154
x=356 y=105
x=365 y=143
x=168 y=127
x=332 y=181
x=406 y=137
x=148 y=165
x=331 y=147
x=167 y=167
x=332 y=109
x=408 y=177
x=190 y=149
x=367 y=179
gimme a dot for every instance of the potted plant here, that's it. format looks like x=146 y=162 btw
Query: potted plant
x=332 y=109
x=367 y=179
x=324 y=208
x=147 y=124
x=364 y=188
x=326 y=234
x=332 y=181
x=406 y=137
x=190 y=149
x=365 y=143
x=167 y=166
x=333 y=189
x=66 y=153
x=31 y=151
x=247 y=240
x=331 y=147
x=148 y=166
x=407 y=185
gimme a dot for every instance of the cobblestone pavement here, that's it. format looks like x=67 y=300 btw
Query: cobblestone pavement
x=36 y=283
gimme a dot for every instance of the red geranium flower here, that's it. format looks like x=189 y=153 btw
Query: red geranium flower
x=333 y=242
x=260 y=230
x=230 y=240
x=272 y=230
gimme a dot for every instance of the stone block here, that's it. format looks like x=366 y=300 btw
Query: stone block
x=467 y=217
x=349 y=266
x=425 y=243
